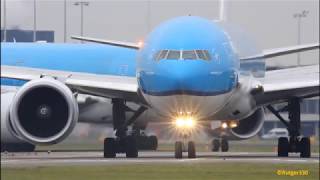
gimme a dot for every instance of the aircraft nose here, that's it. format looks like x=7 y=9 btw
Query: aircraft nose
x=187 y=77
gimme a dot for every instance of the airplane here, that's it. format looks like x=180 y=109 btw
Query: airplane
x=186 y=72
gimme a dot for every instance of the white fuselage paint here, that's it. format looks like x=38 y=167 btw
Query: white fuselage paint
x=199 y=106
x=234 y=105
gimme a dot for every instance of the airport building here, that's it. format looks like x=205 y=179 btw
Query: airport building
x=19 y=35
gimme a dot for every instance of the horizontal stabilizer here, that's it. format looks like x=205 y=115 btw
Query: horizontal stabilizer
x=108 y=42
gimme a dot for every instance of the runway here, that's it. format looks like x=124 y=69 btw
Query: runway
x=96 y=158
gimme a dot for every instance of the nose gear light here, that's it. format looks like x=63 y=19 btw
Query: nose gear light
x=185 y=122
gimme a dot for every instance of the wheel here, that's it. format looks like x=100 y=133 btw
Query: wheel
x=283 y=147
x=191 y=150
x=178 y=150
x=224 y=145
x=131 y=147
x=109 y=148
x=153 y=142
x=215 y=145
x=305 y=147
x=143 y=142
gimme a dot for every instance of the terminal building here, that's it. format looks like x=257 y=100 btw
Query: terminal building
x=19 y=35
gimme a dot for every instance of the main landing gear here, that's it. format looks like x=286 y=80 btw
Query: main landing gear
x=123 y=143
x=295 y=143
x=145 y=142
x=217 y=144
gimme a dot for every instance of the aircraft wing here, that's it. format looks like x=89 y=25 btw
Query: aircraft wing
x=281 y=85
x=270 y=53
x=94 y=84
x=108 y=42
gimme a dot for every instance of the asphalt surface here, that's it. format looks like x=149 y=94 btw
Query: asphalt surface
x=96 y=158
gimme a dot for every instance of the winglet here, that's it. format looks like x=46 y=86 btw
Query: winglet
x=109 y=42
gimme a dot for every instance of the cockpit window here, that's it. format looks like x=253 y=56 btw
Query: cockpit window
x=183 y=55
x=173 y=55
x=203 y=54
x=163 y=54
x=189 y=55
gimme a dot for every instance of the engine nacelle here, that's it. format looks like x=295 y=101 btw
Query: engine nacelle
x=9 y=141
x=43 y=112
x=249 y=126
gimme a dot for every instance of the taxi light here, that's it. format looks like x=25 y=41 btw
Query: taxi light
x=224 y=125
x=233 y=124
x=185 y=122
x=229 y=124
x=180 y=122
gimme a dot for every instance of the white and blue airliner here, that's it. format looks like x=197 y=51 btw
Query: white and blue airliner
x=186 y=71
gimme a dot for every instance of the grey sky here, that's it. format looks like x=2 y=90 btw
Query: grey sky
x=269 y=22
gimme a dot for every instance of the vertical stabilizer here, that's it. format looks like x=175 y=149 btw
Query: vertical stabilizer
x=222 y=11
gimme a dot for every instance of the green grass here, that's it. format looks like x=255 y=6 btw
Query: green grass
x=185 y=171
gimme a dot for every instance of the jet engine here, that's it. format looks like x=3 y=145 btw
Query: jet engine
x=245 y=128
x=249 y=126
x=42 y=112
x=9 y=142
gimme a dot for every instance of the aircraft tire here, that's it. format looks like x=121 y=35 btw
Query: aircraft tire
x=191 y=150
x=224 y=145
x=305 y=151
x=153 y=142
x=109 y=148
x=215 y=145
x=178 y=150
x=131 y=147
x=283 y=147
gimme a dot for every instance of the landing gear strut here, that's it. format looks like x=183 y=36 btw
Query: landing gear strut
x=123 y=143
x=295 y=143
x=217 y=144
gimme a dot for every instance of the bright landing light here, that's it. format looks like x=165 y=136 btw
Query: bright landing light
x=224 y=125
x=231 y=124
x=185 y=122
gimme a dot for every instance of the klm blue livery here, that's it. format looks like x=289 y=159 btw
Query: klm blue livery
x=185 y=73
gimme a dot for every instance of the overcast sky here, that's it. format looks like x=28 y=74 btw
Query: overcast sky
x=270 y=23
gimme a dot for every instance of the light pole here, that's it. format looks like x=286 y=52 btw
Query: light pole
x=81 y=3
x=298 y=16
x=4 y=21
x=65 y=22
x=148 y=16
x=34 y=21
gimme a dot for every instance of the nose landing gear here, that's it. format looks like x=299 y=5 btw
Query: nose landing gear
x=185 y=146
x=180 y=148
